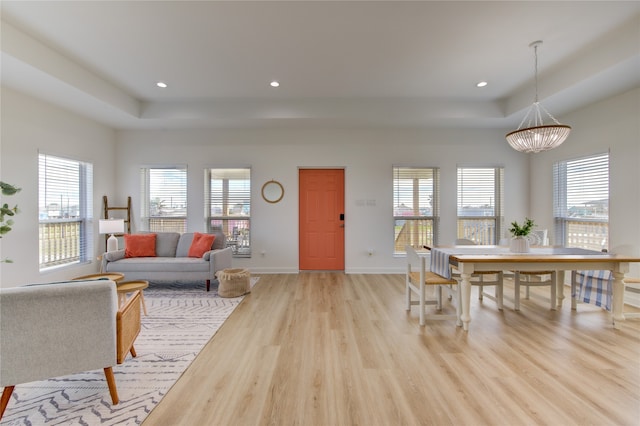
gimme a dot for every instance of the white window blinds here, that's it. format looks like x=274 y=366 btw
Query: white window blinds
x=164 y=196
x=65 y=208
x=228 y=206
x=229 y=193
x=478 y=192
x=480 y=204
x=581 y=201
x=415 y=207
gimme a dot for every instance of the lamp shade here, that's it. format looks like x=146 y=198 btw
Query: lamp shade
x=111 y=226
x=538 y=138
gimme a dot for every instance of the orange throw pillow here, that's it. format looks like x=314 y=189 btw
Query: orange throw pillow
x=139 y=245
x=201 y=244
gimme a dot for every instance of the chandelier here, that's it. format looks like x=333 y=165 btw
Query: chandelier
x=537 y=136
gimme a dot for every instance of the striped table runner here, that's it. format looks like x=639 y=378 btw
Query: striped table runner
x=440 y=262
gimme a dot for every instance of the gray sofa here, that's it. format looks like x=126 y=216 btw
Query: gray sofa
x=172 y=262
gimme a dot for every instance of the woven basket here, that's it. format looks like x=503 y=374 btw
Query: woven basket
x=234 y=282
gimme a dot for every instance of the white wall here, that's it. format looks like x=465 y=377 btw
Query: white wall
x=366 y=155
x=613 y=124
x=29 y=125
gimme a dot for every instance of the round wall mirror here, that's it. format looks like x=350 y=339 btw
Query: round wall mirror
x=272 y=191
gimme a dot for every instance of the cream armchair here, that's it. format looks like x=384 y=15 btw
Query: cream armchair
x=56 y=329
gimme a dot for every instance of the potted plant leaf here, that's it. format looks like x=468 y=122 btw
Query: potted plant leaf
x=520 y=242
x=7 y=212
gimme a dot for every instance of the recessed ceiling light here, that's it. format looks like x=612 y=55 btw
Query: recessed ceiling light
x=481 y=84
x=161 y=84
x=274 y=84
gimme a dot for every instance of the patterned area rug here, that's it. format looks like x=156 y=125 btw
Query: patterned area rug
x=182 y=319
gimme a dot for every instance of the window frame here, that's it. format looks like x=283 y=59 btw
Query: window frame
x=167 y=222
x=568 y=174
x=496 y=202
x=417 y=235
x=64 y=239
x=234 y=223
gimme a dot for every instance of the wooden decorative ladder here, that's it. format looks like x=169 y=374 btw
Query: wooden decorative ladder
x=127 y=219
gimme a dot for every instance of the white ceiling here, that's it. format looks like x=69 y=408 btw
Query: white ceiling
x=340 y=63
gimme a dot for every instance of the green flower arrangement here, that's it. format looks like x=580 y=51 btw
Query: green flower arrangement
x=7 y=212
x=522 y=230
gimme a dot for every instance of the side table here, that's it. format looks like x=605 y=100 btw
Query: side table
x=130 y=286
x=113 y=276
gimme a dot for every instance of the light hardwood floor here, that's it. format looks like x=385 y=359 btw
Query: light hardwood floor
x=334 y=349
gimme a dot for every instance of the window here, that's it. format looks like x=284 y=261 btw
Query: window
x=480 y=212
x=228 y=206
x=65 y=209
x=164 y=199
x=581 y=202
x=415 y=207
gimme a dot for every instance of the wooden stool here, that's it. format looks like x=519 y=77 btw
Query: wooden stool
x=113 y=276
x=129 y=287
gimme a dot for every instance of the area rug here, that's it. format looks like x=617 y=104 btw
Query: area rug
x=182 y=318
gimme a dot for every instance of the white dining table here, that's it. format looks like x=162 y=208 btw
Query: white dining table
x=470 y=259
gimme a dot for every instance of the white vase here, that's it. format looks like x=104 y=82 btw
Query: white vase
x=519 y=245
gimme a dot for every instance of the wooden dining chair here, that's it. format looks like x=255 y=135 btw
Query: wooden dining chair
x=595 y=287
x=529 y=279
x=419 y=278
x=632 y=284
x=534 y=279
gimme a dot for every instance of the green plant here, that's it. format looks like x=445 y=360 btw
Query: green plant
x=521 y=230
x=6 y=212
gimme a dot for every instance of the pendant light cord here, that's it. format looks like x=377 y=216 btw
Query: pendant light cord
x=535 y=55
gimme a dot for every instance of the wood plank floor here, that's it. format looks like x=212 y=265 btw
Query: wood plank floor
x=334 y=349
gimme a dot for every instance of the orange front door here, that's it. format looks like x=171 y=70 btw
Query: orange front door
x=321 y=219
